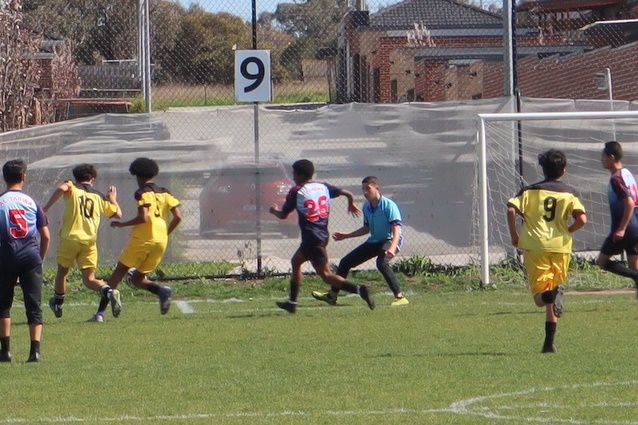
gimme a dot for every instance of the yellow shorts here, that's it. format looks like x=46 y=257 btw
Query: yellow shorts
x=72 y=252
x=145 y=256
x=546 y=270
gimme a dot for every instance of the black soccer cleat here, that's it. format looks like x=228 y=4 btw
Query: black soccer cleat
x=288 y=306
x=5 y=356
x=559 y=303
x=550 y=349
x=35 y=358
x=366 y=294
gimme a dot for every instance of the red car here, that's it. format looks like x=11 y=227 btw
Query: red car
x=228 y=202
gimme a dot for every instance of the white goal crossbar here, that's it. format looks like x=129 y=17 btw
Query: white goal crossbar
x=483 y=177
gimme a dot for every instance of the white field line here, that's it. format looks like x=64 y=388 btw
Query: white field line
x=463 y=407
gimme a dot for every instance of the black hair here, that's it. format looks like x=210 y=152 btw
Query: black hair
x=371 y=180
x=553 y=163
x=145 y=168
x=84 y=173
x=613 y=148
x=304 y=168
x=13 y=171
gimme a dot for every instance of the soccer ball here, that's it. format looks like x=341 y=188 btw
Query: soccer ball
x=129 y=277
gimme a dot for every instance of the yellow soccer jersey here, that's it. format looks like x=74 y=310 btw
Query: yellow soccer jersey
x=83 y=207
x=547 y=211
x=159 y=202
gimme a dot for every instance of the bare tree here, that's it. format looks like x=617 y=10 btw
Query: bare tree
x=19 y=72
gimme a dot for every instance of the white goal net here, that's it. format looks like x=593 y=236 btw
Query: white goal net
x=509 y=145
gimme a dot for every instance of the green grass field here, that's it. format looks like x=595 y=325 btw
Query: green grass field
x=224 y=357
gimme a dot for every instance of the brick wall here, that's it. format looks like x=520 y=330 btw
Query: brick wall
x=572 y=76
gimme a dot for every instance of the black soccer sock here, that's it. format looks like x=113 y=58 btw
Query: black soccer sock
x=104 y=291
x=616 y=267
x=549 y=297
x=59 y=298
x=350 y=287
x=550 y=331
x=334 y=292
x=104 y=302
x=35 y=347
x=5 y=344
x=153 y=288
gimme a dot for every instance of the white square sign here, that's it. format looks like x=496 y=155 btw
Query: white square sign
x=252 y=76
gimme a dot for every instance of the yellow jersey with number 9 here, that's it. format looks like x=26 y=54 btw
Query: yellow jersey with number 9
x=547 y=209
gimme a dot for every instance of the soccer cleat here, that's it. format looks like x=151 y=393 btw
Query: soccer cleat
x=5 y=356
x=400 y=301
x=165 y=299
x=288 y=306
x=56 y=308
x=559 y=303
x=128 y=278
x=97 y=318
x=550 y=349
x=116 y=302
x=364 y=292
x=325 y=297
x=35 y=358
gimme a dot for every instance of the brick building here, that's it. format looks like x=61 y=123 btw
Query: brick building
x=437 y=50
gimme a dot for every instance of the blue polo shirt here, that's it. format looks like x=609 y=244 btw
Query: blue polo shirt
x=381 y=219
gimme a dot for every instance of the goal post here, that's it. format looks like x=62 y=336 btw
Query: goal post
x=508 y=147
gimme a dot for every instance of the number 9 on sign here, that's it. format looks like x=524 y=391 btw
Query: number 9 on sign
x=252 y=76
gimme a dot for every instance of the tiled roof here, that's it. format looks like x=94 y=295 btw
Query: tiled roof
x=433 y=14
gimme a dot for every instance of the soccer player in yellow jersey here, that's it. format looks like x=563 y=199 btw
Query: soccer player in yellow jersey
x=83 y=208
x=546 y=236
x=149 y=236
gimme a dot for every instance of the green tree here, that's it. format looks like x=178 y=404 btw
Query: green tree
x=204 y=51
x=314 y=24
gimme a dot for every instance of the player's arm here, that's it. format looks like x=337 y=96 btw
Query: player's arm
x=274 y=210
x=363 y=230
x=628 y=211
x=511 y=224
x=57 y=194
x=353 y=209
x=580 y=219
x=177 y=218
x=394 y=242
x=45 y=240
x=111 y=196
x=141 y=217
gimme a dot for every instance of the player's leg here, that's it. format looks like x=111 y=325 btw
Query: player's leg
x=31 y=284
x=632 y=261
x=611 y=248
x=319 y=259
x=297 y=261
x=139 y=279
x=384 y=267
x=541 y=276
x=355 y=257
x=7 y=285
x=66 y=256
x=114 y=298
x=56 y=302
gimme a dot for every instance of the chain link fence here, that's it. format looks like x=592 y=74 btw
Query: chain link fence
x=360 y=88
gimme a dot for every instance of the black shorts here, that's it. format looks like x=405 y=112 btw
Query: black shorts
x=611 y=247
x=315 y=253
